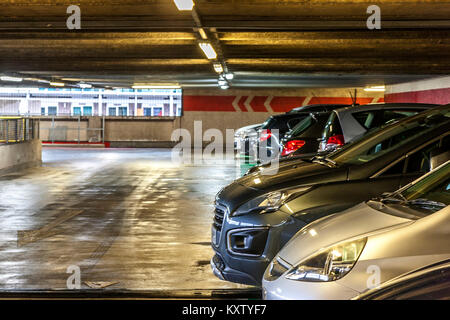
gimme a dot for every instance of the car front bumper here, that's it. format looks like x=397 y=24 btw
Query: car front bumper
x=286 y=289
x=244 y=246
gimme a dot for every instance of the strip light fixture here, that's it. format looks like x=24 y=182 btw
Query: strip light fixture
x=229 y=76
x=208 y=50
x=85 y=85
x=218 y=67
x=155 y=87
x=202 y=33
x=184 y=5
x=13 y=79
x=375 y=89
x=57 y=84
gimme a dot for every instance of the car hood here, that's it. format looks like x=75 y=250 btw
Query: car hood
x=290 y=174
x=357 y=221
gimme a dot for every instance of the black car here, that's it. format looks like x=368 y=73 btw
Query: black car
x=275 y=127
x=258 y=213
x=304 y=137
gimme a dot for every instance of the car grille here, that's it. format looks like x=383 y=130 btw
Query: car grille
x=219 y=215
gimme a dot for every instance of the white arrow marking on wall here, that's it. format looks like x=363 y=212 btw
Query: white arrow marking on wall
x=236 y=103
x=307 y=100
x=267 y=104
x=247 y=103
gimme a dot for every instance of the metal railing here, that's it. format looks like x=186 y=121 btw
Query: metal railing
x=18 y=129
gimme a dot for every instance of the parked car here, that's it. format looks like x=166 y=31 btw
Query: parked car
x=241 y=133
x=344 y=125
x=276 y=126
x=343 y=255
x=429 y=283
x=258 y=213
x=303 y=139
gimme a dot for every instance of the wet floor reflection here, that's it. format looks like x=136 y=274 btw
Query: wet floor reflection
x=130 y=218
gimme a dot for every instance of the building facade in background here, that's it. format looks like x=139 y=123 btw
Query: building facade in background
x=91 y=102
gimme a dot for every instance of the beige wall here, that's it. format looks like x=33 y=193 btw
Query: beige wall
x=20 y=155
x=160 y=130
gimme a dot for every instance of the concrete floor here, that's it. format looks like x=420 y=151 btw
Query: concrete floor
x=130 y=216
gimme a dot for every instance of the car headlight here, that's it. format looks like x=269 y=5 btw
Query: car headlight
x=330 y=264
x=268 y=202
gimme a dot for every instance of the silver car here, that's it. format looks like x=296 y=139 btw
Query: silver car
x=346 y=124
x=343 y=255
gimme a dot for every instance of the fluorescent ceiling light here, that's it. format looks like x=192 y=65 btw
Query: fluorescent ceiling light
x=13 y=79
x=375 y=89
x=85 y=85
x=57 y=84
x=155 y=87
x=208 y=50
x=229 y=76
x=183 y=5
x=218 y=67
x=203 y=34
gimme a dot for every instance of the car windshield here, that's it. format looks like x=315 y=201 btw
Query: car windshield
x=302 y=126
x=429 y=194
x=374 y=145
x=313 y=120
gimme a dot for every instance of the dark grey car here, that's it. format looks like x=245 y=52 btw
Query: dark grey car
x=258 y=213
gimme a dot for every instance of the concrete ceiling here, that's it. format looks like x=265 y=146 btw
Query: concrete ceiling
x=264 y=43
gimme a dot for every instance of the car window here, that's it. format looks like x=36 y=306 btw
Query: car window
x=366 y=118
x=387 y=145
x=396 y=169
x=420 y=161
x=374 y=145
x=333 y=127
x=302 y=125
x=394 y=115
x=291 y=123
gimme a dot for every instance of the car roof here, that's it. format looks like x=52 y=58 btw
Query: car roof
x=382 y=106
x=319 y=107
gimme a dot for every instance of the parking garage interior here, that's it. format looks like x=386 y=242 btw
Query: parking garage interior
x=94 y=99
